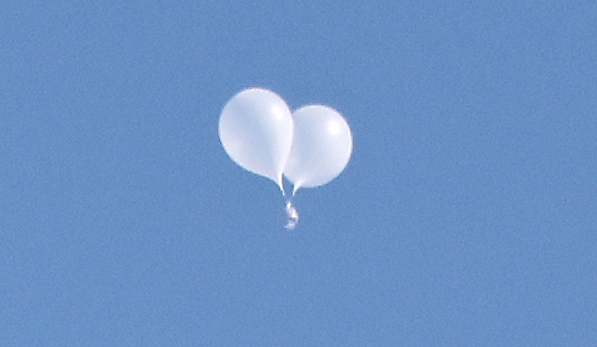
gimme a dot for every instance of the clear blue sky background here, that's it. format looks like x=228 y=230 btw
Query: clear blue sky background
x=466 y=217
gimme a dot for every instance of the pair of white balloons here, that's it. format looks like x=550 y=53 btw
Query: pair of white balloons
x=310 y=146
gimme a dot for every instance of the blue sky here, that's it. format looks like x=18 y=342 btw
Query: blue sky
x=466 y=216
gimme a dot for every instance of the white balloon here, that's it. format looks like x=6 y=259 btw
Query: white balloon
x=321 y=148
x=256 y=129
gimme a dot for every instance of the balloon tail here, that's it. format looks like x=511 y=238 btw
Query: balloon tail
x=294 y=189
x=281 y=186
x=283 y=192
x=291 y=215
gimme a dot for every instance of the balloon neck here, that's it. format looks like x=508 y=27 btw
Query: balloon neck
x=281 y=186
x=294 y=189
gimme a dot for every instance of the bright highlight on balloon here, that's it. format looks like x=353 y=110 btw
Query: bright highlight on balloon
x=310 y=146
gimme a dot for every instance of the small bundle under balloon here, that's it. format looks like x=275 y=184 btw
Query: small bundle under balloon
x=291 y=216
x=310 y=146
